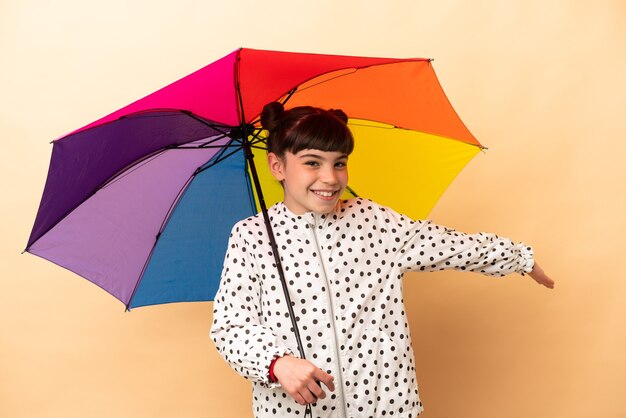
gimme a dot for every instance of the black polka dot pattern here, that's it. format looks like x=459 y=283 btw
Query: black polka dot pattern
x=344 y=272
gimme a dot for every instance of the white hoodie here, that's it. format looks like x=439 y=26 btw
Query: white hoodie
x=344 y=271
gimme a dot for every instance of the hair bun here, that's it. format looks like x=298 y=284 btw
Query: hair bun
x=272 y=115
x=340 y=114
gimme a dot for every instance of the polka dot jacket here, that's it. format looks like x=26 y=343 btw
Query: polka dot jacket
x=344 y=273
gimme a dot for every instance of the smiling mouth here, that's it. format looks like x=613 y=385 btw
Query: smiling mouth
x=324 y=193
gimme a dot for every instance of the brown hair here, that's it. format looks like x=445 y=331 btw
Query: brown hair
x=306 y=127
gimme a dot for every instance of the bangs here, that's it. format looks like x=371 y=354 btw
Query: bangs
x=320 y=132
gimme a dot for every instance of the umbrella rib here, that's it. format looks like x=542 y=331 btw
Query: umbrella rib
x=220 y=158
x=223 y=132
x=139 y=163
x=218 y=127
x=212 y=141
x=129 y=169
x=352 y=192
x=238 y=90
x=203 y=147
x=391 y=127
x=206 y=145
x=256 y=137
x=354 y=70
x=289 y=94
x=374 y=126
x=146 y=113
x=283 y=101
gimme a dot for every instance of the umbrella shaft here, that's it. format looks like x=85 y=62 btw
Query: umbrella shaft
x=270 y=232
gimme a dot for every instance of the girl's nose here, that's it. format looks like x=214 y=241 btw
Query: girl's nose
x=329 y=176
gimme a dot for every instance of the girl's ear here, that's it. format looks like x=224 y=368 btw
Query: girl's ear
x=277 y=166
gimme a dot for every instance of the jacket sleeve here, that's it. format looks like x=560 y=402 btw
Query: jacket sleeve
x=237 y=331
x=425 y=246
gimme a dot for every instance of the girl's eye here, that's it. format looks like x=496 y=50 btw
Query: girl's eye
x=341 y=164
x=312 y=163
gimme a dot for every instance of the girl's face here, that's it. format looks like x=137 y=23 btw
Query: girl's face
x=313 y=180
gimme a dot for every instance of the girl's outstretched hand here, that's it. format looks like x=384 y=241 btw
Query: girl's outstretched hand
x=540 y=277
x=300 y=379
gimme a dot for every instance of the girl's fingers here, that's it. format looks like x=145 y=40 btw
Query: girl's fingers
x=325 y=378
x=301 y=379
x=299 y=399
x=307 y=396
x=541 y=277
x=316 y=390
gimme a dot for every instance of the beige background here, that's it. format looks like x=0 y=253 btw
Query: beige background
x=541 y=83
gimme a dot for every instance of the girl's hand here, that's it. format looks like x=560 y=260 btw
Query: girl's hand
x=300 y=379
x=540 y=277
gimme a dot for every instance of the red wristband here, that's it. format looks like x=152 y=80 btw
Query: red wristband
x=272 y=377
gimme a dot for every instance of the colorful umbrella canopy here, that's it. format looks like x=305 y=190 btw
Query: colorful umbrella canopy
x=141 y=202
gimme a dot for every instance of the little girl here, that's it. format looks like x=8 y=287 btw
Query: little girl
x=343 y=262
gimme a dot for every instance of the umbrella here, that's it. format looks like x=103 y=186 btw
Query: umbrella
x=141 y=202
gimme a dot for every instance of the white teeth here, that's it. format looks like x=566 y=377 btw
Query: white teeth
x=325 y=194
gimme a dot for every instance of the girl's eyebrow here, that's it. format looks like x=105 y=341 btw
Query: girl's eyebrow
x=319 y=157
